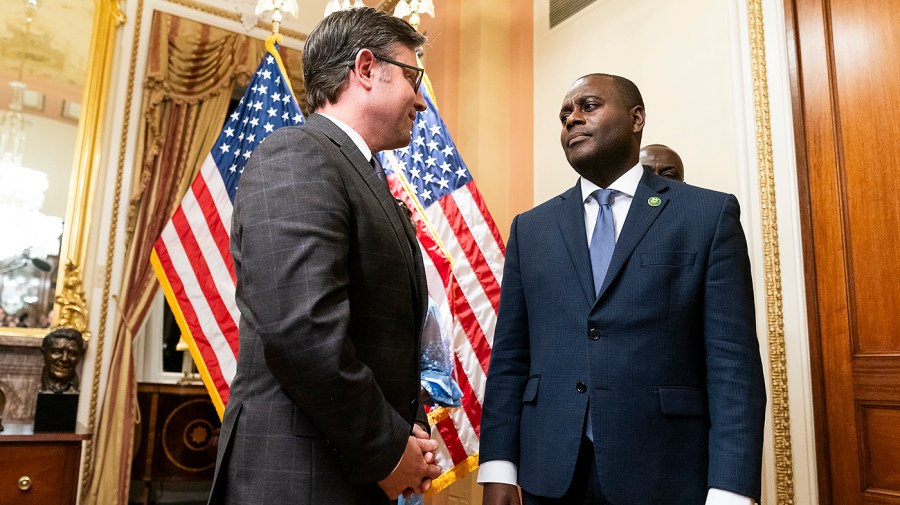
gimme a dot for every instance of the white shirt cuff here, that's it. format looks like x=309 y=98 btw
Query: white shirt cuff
x=722 y=497
x=499 y=472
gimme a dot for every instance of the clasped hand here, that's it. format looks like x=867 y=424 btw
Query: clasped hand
x=416 y=469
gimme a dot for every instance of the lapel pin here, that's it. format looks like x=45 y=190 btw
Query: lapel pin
x=654 y=201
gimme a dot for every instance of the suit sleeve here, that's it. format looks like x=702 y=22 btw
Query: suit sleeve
x=510 y=364
x=736 y=389
x=293 y=282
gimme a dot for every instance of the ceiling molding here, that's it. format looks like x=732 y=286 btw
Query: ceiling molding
x=234 y=16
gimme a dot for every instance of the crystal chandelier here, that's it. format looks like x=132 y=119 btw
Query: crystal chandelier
x=413 y=9
x=338 y=5
x=278 y=8
x=12 y=123
x=22 y=189
x=12 y=128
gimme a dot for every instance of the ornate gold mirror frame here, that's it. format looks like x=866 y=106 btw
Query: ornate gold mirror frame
x=70 y=307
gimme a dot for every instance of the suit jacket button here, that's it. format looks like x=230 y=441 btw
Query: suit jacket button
x=581 y=387
x=594 y=333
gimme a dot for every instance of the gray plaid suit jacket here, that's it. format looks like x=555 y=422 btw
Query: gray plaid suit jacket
x=332 y=294
x=665 y=358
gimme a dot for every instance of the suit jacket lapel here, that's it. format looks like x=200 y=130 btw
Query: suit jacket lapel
x=641 y=215
x=570 y=215
x=381 y=193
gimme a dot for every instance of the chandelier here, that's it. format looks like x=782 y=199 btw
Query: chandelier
x=26 y=229
x=279 y=8
x=409 y=9
x=12 y=127
x=338 y=5
x=12 y=123
x=413 y=9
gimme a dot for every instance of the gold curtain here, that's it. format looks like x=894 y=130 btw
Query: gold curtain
x=191 y=72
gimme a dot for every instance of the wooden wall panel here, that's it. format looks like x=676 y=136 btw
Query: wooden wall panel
x=880 y=449
x=845 y=75
x=866 y=72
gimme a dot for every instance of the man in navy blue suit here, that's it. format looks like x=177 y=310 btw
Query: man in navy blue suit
x=625 y=365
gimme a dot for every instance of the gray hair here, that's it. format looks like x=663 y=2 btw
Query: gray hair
x=331 y=48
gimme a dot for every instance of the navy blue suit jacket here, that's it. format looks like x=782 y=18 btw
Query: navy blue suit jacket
x=666 y=358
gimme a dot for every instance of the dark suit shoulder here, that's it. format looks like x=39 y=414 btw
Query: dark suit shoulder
x=291 y=149
x=683 y=189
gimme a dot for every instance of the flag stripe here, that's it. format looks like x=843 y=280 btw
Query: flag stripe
x=464 y=430
x=472 y=408
x=190 y=317
x=208 y=255
x=206 y=324
x=473 y=332
x=212 y=176
x=451 y=439
x=467 y=285
x=206 y=282
x=470 y=248
x=442 y=454
x=486 y=238
x=471 y=366
x=212 y=214
x=488 y=220
x=428 y=241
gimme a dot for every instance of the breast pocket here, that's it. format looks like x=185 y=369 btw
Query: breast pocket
x=664 y=278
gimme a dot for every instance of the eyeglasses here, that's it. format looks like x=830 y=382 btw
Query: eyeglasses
x=420 y=72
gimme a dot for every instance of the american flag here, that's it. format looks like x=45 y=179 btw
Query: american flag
x=191 y=258
x=463 y=254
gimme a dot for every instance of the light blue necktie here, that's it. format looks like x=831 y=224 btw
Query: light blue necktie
x=603 y=240
x=603 y=243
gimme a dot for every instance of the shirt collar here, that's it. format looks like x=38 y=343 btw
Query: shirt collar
x=354 y=136
x=626 y=184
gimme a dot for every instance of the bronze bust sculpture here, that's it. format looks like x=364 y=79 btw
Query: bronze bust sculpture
x=62 y=349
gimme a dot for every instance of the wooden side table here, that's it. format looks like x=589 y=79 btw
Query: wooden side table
x=173 y=441
x=39 y=468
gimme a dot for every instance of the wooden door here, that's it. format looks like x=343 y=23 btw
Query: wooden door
x=846 y=79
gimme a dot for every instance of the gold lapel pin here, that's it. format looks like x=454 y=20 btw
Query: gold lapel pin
x=654 y=201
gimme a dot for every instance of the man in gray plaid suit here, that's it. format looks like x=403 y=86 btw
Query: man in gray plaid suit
x=331 y=288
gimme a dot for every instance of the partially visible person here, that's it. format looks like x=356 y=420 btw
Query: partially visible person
x=331 y=288
x=663 y=161
x=62 y=349
x=625 y=367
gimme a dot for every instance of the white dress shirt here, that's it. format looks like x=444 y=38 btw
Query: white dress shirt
x=505 y=472
x=354 y=136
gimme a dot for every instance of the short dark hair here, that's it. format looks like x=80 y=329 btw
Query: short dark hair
x=62 y=333
x=333 y=44
x=624 y=87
